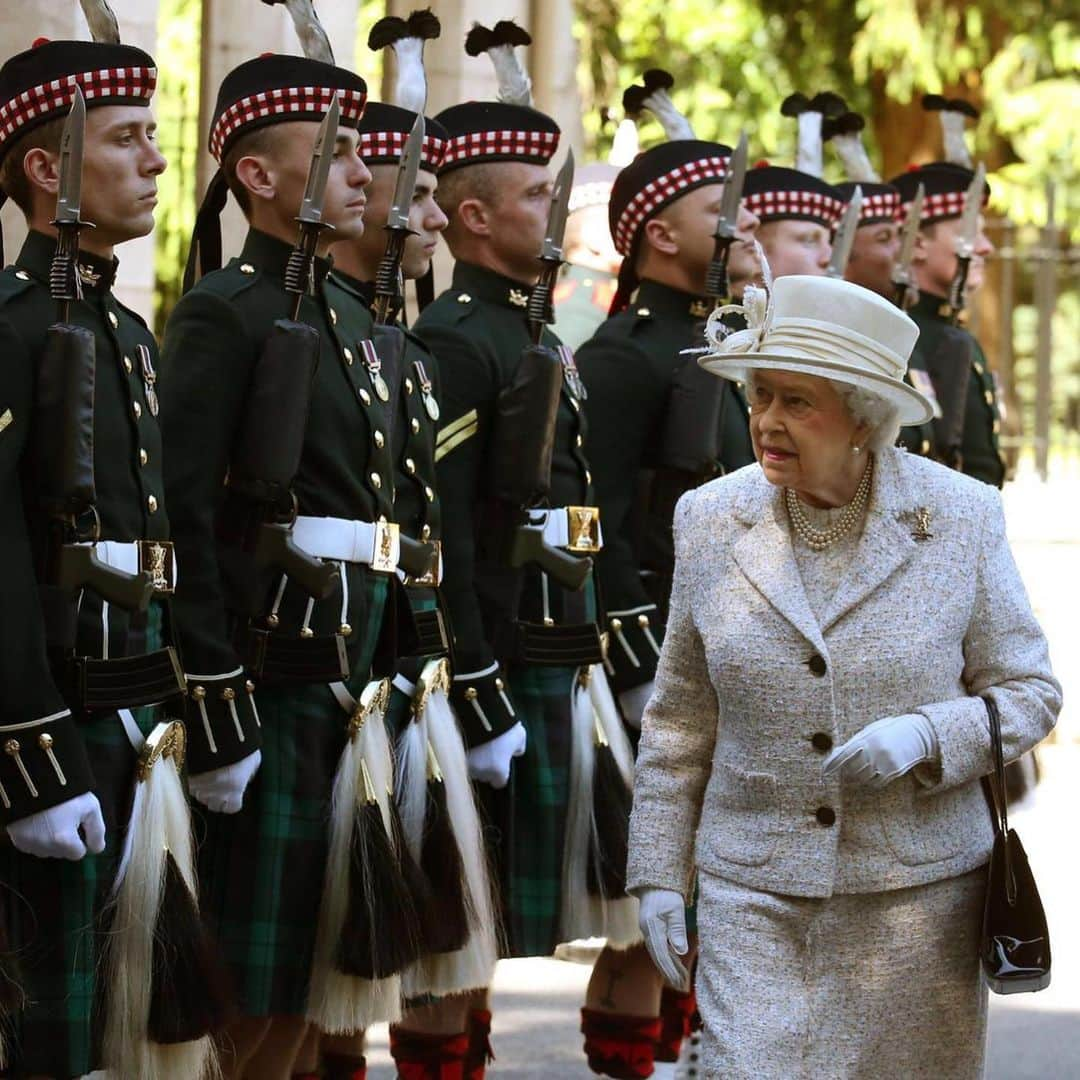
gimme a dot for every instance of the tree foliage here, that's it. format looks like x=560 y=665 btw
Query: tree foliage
x=734 y=61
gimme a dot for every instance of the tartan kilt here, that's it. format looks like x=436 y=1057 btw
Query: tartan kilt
x=529 y=814
x=52 y=908
x=261 y=870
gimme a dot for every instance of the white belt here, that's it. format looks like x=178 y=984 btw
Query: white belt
x=372 y=543
x=138 y=555
x=575 y=528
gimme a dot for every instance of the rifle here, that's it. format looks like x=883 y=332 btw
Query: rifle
x=271 y=439
x=63 y=439
x=903 y=281
x=416 y=557
x=965 y=243
x=717 y=284
x=524 y=432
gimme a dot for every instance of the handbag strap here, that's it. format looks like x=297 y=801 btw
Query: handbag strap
x=996 y=781
x=998 y=796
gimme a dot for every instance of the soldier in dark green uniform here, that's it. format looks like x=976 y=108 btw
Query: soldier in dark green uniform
x=656 y=429
x=650 y=435
x=966 y=436
x=521 y=638
x=79 y=676
x=453 y=962
x=282 y=661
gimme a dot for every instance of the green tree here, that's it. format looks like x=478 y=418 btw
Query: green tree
x=735 y=61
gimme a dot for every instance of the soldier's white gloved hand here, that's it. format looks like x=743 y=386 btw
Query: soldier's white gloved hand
x=54 y=833
x=489 y=763
x=884 y=750
x=633 y=702
x=222 y=790
x=662 y=918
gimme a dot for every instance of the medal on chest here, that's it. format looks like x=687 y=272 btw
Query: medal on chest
x=374 y=369
x=149 y=378
x=431 y=406
x=571 y=375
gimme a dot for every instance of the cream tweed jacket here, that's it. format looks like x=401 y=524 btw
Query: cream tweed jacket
x=752 y=691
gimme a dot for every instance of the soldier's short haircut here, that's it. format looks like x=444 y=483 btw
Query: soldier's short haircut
x=262 y=140
x=13 y=178
x=480 y=181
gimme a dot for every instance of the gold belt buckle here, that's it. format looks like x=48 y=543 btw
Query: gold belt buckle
x=429 y=580
x=583 y=525
x=156 y=558
x=387 y=547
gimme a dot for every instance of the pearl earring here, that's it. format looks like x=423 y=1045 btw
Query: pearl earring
x=856 y=449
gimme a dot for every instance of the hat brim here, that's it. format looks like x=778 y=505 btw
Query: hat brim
x=912 y=407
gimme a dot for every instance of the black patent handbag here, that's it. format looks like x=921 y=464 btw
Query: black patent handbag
x=1015 y=945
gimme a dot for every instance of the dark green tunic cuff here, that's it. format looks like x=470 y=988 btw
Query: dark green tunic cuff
x=482 y=702
x=634 y=638
x=222 y=721
x=43 y=764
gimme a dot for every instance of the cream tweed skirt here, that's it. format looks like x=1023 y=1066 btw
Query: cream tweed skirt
x=870 y=986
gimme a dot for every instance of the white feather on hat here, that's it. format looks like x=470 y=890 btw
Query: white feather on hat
x=407 y=37
x=954 y=114
x=515 y=86
x=102 y=21
x=653 y=95
x=845 y=134
x=313 y=37
x=810 y=112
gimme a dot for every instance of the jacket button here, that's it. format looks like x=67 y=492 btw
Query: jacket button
x=826 y=816
x=817 y=665
x=821 y=742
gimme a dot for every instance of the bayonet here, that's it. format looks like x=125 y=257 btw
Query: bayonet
x=902 y=278
x=716 y=278
x=540 y=308
x=965 y=242
x=298 y=272
x=845 y=236
x=389 y=288
x=64 y=282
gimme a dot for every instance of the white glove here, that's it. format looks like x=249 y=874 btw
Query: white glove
x=662 y=918
x=54 y=833
x=489 y=763
x=633 y=703
x=884 y=750
x=222 y=790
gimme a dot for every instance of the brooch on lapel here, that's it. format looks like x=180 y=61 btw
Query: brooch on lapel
x=919 y=520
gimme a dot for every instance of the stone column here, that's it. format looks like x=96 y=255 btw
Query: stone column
x=237 y=30
x=553 y=67
x=20 y=25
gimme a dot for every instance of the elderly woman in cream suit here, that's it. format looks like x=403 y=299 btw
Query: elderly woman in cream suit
x=813 y=748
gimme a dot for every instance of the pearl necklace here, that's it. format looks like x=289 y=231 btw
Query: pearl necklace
x=820 y=539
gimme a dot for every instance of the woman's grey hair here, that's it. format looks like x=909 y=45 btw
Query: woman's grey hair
x=877 y=413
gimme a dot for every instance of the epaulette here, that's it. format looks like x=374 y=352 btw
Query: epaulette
x=232 y=279
x=14 y=282
x=458 y=305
